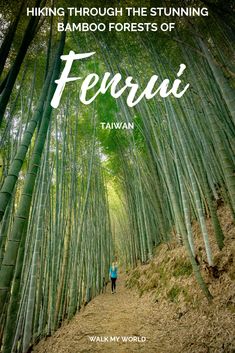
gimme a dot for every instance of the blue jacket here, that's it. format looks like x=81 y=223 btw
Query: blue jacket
x=113 y=272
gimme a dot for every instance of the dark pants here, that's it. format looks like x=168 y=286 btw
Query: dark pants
x=113 y=284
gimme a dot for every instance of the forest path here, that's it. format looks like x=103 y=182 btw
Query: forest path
x=107 y=315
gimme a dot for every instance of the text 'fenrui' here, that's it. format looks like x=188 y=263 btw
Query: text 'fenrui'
x=108 y=82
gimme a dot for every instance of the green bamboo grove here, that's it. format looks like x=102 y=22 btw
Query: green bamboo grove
x=74 y=195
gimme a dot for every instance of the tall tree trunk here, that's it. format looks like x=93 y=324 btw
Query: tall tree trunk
x=15 y=167
x=6 y=44
x=22 y=214
x=226 y=91
x=14 y=71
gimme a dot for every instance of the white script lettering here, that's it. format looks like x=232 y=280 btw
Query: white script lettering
x=92 y=80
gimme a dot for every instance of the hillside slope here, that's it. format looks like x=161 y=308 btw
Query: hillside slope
x=188 y=322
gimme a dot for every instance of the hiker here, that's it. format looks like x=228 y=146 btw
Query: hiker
x=113 y=276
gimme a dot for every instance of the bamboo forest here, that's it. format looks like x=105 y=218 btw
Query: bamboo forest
x=130 y=160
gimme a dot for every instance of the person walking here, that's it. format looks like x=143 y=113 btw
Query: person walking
x=113 y=273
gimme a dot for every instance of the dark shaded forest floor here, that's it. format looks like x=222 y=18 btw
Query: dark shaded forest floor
x=162 y=302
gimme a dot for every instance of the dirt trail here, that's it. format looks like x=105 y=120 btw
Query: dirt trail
x=167 y=327
x=120 y=314
x=171 y=313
